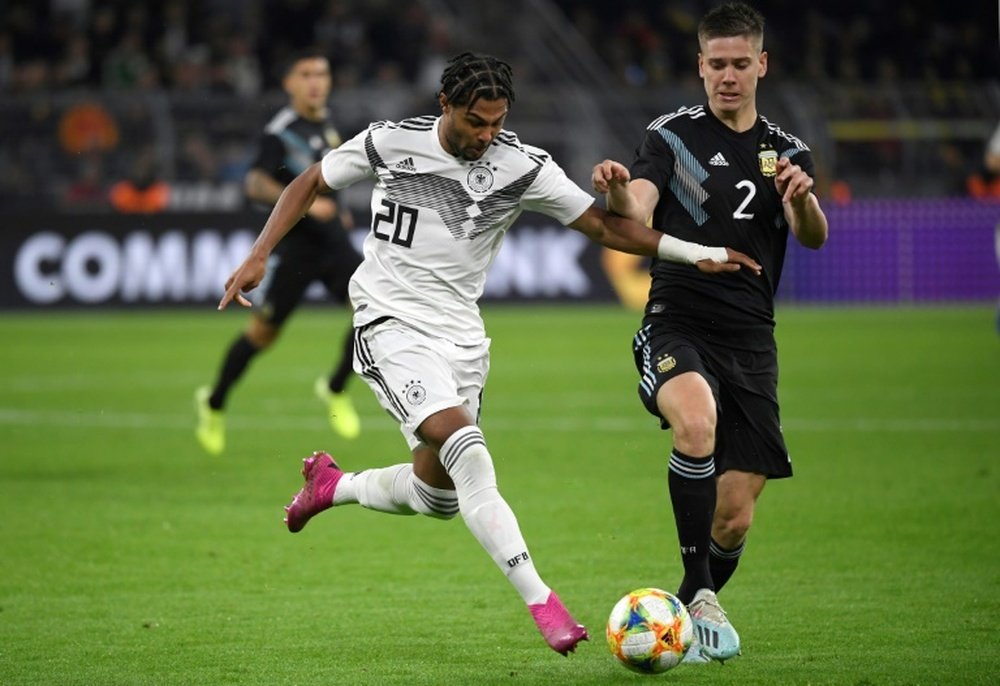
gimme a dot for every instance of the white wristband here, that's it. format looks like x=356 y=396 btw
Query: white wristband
x=675 y=250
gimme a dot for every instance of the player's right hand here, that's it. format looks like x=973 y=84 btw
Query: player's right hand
x=732 y=264
x=608 y=173
x=246 y=278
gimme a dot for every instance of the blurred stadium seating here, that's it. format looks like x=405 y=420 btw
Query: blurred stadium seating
x=895 y=103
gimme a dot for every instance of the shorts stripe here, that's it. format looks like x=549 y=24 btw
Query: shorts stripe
x=359 y=349
x=369 y=370
x=647 y=381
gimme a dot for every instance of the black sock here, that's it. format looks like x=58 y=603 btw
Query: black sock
x=722 y=563
x=343 y=371
x=692 y=494
x=237 y=358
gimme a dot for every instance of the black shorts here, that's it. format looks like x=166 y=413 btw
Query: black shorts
x=290 y=274
x=745 y=385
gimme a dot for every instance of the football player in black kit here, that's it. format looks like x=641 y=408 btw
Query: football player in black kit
x=318 y=249
x=720 y=174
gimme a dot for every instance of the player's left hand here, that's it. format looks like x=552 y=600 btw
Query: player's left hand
x=732 y=264
x=246 y=278
x=607 y=174
x=792 y=183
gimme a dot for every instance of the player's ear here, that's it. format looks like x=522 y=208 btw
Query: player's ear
x=443 y=101
x=762 y=65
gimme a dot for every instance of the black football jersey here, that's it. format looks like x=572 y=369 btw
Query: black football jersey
x=717 y=188
x=288 y=146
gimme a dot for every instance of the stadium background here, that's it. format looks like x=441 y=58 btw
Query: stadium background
x=100 y=98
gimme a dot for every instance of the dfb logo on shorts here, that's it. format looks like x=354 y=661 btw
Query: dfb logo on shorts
x=415 y=393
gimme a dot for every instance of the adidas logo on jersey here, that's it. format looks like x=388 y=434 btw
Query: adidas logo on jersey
x=718 y=160
x=406 y=165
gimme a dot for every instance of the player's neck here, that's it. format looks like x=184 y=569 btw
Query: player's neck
x=443 y=138
x=740 y=120
x=310 y=113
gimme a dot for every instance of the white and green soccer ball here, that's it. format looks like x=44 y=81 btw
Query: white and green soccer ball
x=649 y=630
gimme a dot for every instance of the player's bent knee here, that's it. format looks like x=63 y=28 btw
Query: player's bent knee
x=439 y=503
x=694 y=434
x=442 y=514
x=731 y=530
x=262 y=334
x=468 y=462
x=440 y=508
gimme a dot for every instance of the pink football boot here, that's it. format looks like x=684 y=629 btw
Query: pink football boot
x=322 y=475
x=558 y=627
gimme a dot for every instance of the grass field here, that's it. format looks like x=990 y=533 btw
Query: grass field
x=128 y=557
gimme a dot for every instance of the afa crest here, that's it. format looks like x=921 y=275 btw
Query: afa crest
x=665 y=364
x=768 y=162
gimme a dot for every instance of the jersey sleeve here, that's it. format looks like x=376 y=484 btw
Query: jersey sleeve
x=270 y=154
x=654 y=161
x=553 y=194
x=801 y=156
x=348 y=164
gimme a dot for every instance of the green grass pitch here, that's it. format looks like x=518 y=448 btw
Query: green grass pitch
x=128 y=557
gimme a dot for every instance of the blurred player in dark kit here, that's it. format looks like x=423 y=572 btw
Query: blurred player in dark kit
x=318 y=250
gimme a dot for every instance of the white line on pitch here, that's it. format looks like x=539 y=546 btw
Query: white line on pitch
x=100 y=419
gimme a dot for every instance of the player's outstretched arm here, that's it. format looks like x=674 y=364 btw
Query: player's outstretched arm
x=628 y=235
x=632 y=199
x=805 y=218
x=292 y=204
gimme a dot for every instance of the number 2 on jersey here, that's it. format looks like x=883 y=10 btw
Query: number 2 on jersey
x=751 y=191
x=402 y=221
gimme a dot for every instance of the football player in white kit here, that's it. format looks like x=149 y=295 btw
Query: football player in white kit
x=447 y=189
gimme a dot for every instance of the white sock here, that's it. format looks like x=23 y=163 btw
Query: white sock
x=488 y=516
x=395 y=490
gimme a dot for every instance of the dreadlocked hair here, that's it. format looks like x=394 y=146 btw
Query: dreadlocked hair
x=469 y=77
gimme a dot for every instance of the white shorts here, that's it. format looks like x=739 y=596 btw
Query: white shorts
x=415 y=375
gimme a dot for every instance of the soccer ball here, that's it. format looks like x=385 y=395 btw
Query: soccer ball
x=649 y=630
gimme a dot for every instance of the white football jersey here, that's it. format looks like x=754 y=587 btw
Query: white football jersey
x=438 y=220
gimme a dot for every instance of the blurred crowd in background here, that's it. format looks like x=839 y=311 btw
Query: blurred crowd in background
x=847 y=40
x=83 y=82
x=234 y=46
x=208 y=45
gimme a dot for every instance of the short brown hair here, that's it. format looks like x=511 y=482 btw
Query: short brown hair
x=732 y=19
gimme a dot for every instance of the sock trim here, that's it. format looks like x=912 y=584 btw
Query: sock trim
x=458 y=443
x=718 y=551
x=437 y=500
x=692 y=468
